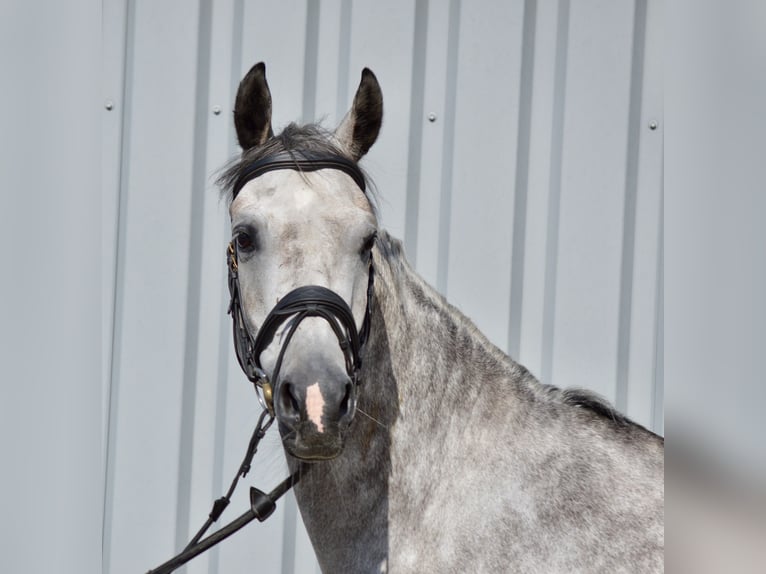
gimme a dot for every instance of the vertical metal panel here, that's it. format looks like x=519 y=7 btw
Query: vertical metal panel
x=344 y=56
x=448 y=147
x=113 y=70
x=310 y=62
x=657 y=420
x=417 y=117
x=629 y=207
x=512 y=201
x=116 y=65
x=486 y=124
x=521 y=183
x=150 y=327
x=207 y=475
x=592 y=195
x=554 y=189
x=125 y=18
x=50 y=314
x=331 y=58
x=423 y=235
x=189 y=374
x=547 y=97
x=274 y=32
x=647 y=284
x=382 y=40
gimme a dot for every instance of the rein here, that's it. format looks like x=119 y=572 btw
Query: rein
x=301 y=303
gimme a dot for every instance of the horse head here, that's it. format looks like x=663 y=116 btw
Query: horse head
x=300 y=217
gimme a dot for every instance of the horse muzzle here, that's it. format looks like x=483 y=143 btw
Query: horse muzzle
x=314 y=408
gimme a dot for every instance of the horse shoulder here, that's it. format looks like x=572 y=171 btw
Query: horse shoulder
x=541 y=479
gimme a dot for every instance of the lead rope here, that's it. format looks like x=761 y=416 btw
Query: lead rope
x=262 y=505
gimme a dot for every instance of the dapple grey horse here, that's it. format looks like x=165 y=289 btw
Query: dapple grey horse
x=447 y=456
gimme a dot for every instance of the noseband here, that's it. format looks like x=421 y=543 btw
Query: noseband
x=300 y=303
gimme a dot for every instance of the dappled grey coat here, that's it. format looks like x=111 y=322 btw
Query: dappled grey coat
x=471 y=464
x=458 y=459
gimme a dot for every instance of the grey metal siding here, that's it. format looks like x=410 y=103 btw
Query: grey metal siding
x=51 y=469
x=516 y=161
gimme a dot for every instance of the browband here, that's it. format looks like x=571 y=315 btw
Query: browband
x=300 y=161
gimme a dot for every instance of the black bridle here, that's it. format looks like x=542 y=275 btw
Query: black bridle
x=300 y=303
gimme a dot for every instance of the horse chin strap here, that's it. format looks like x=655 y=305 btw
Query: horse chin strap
x=300 y=303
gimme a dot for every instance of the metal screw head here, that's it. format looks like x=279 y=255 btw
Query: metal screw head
x=217 y=110
x=109 y=105
x=653 y=125
x=432 y=117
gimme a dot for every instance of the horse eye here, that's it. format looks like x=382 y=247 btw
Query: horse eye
x=245 y=242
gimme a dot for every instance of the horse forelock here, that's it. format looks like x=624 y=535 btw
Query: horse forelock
x=293 y=138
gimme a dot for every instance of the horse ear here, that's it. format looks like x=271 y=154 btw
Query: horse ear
x=359 y=129
x=252 y=108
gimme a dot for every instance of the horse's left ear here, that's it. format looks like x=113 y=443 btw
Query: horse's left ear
x=359 y=129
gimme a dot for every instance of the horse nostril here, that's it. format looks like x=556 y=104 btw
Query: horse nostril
x=289 y=406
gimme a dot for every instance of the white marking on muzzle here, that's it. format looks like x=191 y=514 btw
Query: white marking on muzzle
x=315 y=405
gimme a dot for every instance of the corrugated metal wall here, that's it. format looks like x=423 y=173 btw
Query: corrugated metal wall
x=51 y=468
x=516 y=160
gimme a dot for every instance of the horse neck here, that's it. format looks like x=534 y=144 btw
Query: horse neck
x=410 y=360
x=431 y=346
